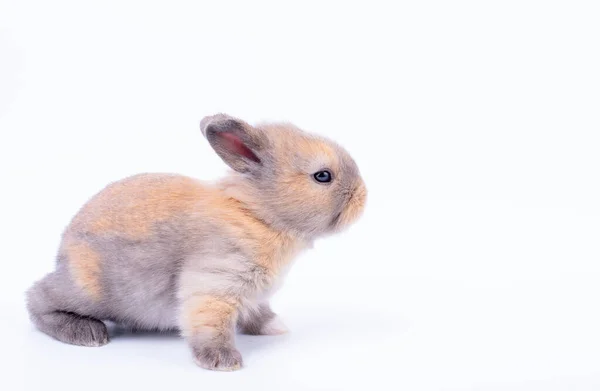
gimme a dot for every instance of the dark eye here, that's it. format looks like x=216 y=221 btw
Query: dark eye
x=322 y=176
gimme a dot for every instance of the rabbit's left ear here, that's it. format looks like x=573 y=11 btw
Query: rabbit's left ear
x=235 y=141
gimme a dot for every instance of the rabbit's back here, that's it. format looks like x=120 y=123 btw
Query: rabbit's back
x=132 y=208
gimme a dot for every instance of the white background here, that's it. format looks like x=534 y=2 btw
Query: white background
x=476 y=127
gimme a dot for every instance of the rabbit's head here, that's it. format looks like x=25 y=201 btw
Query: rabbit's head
x=292 y=180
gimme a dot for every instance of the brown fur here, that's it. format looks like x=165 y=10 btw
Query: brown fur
x=355 y=206
x=84 y=264
x=135 y=206
x=208 y=315
x=272 y=249
x=164 y=251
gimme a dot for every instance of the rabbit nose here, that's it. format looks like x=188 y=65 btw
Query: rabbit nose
x=360 y=192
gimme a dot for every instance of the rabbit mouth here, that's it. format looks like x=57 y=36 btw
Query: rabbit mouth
x=335 y=220
x=352 y=209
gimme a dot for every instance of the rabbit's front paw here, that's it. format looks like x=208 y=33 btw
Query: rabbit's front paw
x=218 y=358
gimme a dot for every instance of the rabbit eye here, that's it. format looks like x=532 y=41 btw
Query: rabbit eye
x=322 y=176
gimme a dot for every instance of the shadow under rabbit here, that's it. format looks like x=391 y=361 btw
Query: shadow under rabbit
x=247 y=344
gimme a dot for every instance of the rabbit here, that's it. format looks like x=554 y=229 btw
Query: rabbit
x=168 y=252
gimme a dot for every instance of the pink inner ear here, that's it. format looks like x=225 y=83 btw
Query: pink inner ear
x=234 y=144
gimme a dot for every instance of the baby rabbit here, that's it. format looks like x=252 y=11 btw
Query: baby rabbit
x=167 y=252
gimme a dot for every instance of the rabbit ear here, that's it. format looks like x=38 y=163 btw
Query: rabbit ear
x=235 y=141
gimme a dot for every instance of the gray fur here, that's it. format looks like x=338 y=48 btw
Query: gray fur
x=58 y=309
x=217 y=355
x=254 y=321
x=148 y=282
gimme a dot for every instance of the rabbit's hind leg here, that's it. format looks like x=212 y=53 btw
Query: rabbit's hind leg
x=52 y=313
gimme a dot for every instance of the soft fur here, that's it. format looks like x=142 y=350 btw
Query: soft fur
x=163 y=252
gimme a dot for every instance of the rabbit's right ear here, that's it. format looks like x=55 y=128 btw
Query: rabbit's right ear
x=235 y=141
